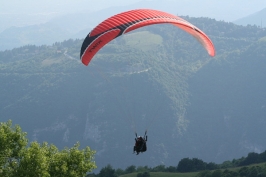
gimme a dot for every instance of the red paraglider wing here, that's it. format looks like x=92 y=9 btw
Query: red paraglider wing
x=131 y=20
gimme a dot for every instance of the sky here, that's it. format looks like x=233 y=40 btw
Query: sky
x=26 y=12
x=63 y=6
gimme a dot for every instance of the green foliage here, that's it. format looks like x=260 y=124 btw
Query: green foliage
x=130 y=169
x=145 y=174
x=217 y=173
x=34 y=161
x=71 y=162
x=107 y=171
x=253 y=158
x=252 y=171
x=191 y=165
x=163 y=174
x=247 y=171
x=158 y=168
x=171 y=169
x=142 y=169
x=243 y=171
x=226 y=164
x=40 y=160
x=192 y=168
x=12 y=142
x=119 y=172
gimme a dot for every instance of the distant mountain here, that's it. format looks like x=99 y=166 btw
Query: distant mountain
x=44 y=34
x=258 y=19
x=57 y=30
x=69 y=26
x=157 y=78
x=47 y=28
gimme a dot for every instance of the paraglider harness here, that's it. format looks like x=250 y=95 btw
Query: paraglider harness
x=140 y=143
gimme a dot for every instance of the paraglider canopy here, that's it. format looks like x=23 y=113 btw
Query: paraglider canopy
x=125 y=22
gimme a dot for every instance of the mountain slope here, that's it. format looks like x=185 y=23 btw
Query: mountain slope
x=228 y=99
x=158 y=78
x=257 y=19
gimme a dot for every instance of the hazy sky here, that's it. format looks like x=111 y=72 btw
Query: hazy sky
x=57 y=6
x=63 y=6
x=32 y=11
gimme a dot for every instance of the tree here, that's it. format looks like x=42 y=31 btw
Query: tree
x=226 y=164
x=12 y=142
x=190 y=165
x=119 y=172
x=145 y=174
x=40 y=160
x=229 y=173
x=212 y=166
x=255 y=171
x=142 y=169
x=217 y=173
x=107 y=171
x=252 y=157
x=130 y=169
x=263 y=156
x=159 y=168
x=170 y=169
x=243 y=171
x=198 y=164
x=184 y=165
x=71 y=162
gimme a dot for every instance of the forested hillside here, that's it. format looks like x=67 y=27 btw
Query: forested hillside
x=252 y=165
x=157 y=78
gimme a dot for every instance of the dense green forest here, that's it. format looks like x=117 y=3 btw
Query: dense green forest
x=251 y=166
